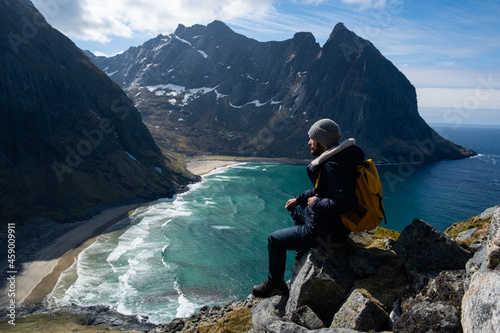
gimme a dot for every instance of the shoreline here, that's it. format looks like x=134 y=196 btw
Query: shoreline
x=205 y=164
x=39 y=277
x=203 y=167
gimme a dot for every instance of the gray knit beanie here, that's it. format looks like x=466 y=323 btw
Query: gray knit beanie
x=326 y=132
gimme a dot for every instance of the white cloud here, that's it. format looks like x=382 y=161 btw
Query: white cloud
x=447 y=94
x=459 y=98
x=367 y=4
x=452 y=116
x=100 y=20
x=314 y=2
x=450 y=76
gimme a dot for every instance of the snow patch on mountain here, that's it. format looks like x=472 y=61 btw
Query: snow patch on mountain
x=187 y=95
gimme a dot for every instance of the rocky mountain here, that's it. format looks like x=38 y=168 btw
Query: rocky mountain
x=71 y=141
x=209 y=89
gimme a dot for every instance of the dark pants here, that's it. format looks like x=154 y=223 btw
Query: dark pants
x=293 y=238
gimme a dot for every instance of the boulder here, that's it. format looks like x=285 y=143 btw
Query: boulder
x=278 y=326
x=481 y=302
x=364 y=263
x=367 y=254
x=475 y=264
x=478 y=243
x=493 y=242
x=306 y=317
x=487 y=213
x=427 y=251
x=321 y=280
x=466 y=235
x=268 y=309
x=436 y=308
x=429 y=316
x=360 y=312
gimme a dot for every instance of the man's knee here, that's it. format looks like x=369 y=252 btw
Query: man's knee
x=281 y=238
x=271 y=239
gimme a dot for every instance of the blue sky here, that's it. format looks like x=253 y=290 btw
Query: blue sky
x=449 y=50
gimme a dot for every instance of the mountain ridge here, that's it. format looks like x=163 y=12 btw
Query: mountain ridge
x=71 y=142
x=208 y=89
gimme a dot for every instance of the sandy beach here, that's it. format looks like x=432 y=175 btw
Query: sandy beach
x=202 y=167
x=39 y=277
x=205 y=164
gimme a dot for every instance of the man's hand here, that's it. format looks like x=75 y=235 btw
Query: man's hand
x=311 y=200
x=290 y=204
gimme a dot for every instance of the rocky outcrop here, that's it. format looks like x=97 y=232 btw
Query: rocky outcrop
x=71 y=141
x=71 y=317
x=434 y=296
x=361 y=313
x=321 y=281
x=329 y=295
x=426 y=252
x=460 y=298
x=481 y=302
x=386 y=295
x=209 y=89
x=436 y=308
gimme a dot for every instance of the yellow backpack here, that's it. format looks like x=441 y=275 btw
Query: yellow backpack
x=370 y=210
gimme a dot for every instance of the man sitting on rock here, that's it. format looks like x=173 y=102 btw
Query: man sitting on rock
x=316 y=212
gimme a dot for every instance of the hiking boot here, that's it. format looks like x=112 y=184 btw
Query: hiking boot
x=267 y=289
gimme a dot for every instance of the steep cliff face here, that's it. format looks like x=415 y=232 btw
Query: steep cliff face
x=70 y=139
x=222 y=92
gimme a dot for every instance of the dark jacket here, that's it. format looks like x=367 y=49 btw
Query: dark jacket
x=335 y=190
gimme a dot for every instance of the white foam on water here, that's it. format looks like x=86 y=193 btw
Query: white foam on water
x=130 y=240
x=174 y=197
x=88 y=280
x=125 y=286
x=67 y=278
x=166 y=222
x=163 y=250
x=116 y=269
x=222 y=178
x=244 y=166
x=223 y=227
x=185 y=308
x=220 y=170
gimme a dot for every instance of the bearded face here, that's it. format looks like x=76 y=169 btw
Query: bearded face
x=316 y=148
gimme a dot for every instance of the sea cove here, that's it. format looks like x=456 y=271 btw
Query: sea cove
x=208 y=246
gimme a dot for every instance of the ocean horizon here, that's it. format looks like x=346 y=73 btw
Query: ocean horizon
x=209 y=245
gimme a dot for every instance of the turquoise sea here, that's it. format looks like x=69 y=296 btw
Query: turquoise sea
x=208 y=246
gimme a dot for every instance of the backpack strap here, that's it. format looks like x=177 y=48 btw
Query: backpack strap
x=381 y=207
x=317 y=179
